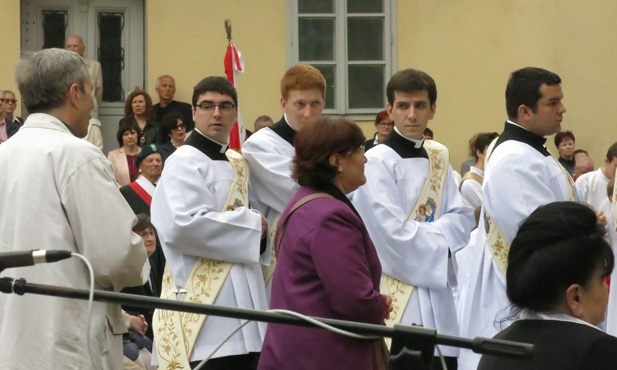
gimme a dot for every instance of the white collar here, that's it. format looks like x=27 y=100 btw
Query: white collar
x=417 y=143
x=223 y=146
x=555 y=316
x=287 y=122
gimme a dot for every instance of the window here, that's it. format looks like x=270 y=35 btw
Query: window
x=350 y=42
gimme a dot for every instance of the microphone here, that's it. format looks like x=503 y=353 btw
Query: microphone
x=29 y=258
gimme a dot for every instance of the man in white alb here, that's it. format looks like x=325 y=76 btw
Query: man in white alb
x=520 y=175
x=211 y=239
x=413 y=211
x=270 y=150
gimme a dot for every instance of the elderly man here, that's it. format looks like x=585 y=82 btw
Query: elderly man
x=76 y=43
x=263 y=121
x=138 y=195
x=62 y=194
x=13 y=123
x=270 y=150
x=166 y=89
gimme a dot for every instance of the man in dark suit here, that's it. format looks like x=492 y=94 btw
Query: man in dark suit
x=166 y=88
x=13 y=123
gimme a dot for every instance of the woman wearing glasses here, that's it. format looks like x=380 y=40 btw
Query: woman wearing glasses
x=557 y=265
x=383 y=125
x=327 y=265
x=173 y=134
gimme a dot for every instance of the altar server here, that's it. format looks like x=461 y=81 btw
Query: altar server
x=270 y=150
x=520 y=175
x=211 y=240
x=413 y=211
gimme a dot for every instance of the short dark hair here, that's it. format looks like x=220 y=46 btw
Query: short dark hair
x=611 y=152
x=316 y=143
x=558 y=245
x=127 y=125
x=563 y=135
x=170 y=122
x=579 y=151
x=409 y=80
x=143 y=222
x=428 y=133
x=483 y=140
x=524 y=88
x=128 y=103
x=214 y=83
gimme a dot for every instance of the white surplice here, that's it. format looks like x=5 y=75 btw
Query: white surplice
x=471 y=190
x=591 y=188
x=415 y=253
x=270 y=159
x=186 y=211
x=518 y=178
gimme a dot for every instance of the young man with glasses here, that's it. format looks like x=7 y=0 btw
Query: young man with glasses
x=211 y=239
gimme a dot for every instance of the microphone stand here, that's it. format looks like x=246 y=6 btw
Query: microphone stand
x=412 y=346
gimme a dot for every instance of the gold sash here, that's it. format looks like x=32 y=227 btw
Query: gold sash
x=471 y=176
x=426 y=210
x=175 y=332
x=497 y=242
x=268 y=271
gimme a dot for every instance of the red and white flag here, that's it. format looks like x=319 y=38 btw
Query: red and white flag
x=234 y=65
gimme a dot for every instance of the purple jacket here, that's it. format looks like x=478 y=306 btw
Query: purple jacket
x=327 y=267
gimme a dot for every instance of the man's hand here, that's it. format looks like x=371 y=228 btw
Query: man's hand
x=389 y=305
x=139 y=324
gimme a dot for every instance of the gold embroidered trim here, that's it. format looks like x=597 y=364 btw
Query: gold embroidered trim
x=426 y=209
x=176 y=332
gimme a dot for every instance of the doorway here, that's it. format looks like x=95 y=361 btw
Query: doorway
x=113 y=33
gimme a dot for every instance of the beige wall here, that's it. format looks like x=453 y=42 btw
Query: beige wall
x=187 y=40
x=9 y=18
x=470 y=47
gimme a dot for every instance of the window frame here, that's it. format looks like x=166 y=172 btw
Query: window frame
x=341 y=99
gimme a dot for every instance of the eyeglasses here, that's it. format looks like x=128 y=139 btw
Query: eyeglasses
x=225 y=107
x=179 y=127
x=8 y=100
x=385 y=124
x=360 y=150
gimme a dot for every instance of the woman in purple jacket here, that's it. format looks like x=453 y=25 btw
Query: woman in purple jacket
x=327 y=265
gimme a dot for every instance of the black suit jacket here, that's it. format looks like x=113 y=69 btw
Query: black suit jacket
x=558 y=345
x=12 y=127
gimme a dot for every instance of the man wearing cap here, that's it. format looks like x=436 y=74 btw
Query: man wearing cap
x=138 y=195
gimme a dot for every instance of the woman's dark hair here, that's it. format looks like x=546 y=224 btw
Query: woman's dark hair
x=562 y=136
x=316 y=142
x=170 y=122
x=127 y=125
x=128 y=104
x=143 y=222
x=558 y=245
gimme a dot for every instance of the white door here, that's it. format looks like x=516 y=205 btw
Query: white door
x=113 y=32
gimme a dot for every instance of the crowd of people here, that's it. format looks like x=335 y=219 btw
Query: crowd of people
x=311 y=217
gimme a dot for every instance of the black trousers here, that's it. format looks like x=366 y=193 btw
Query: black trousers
x=237 y=362
x=451 y=363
